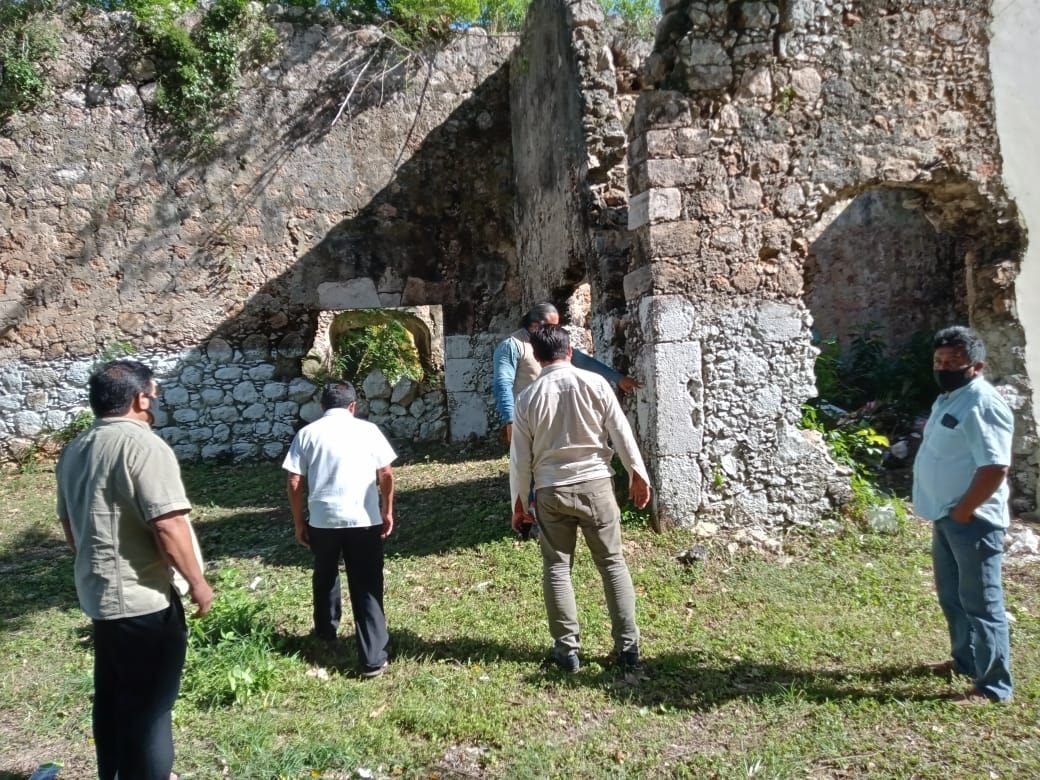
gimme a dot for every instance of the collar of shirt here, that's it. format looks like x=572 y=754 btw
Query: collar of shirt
x=337 y=411
x=558 y=365
x=960 y=390
x=119 y=420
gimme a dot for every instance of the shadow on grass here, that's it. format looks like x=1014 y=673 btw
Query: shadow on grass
x=684 y=681
x=427 y=521
x=701 y=682
x=35 y=575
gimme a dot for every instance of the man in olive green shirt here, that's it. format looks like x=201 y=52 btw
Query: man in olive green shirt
x=122 y=505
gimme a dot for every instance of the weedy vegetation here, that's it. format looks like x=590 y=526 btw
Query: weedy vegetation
x=791 y=665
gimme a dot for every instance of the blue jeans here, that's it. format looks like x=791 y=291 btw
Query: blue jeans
x=967 y=559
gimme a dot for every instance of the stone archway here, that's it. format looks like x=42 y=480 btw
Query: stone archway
x=904 y=260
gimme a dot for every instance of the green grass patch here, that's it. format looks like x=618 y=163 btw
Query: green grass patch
x=791 y=666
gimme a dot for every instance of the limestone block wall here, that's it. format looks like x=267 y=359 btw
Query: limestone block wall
x=767 y=117
x=216 y=402
x=108 y=237
x=1015 y=38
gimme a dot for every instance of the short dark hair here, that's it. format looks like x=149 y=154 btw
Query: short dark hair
x=115 y=385
x=550 y=342
x=965 y=338
x=338 y=395
x=538 y=313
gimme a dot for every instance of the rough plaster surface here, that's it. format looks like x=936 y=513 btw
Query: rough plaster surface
x=1016 y=40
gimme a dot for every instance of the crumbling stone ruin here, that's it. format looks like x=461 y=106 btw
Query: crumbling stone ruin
x=696 y=207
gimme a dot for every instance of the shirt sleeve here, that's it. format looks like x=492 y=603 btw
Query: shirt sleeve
x=294 y=461
x=989 y=430
x=384 y=452
x=62 y=506
x=621 y=435
x=157 y=480
x=588 y=363
x=520 y=463
x=504 y=362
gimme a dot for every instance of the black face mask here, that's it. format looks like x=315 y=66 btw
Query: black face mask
x=949 y=381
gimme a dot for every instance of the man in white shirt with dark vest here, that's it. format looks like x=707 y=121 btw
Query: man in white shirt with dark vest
x=341 y=465
x=564 y=425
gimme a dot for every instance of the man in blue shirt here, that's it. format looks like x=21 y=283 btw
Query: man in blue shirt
x=960 y=484
x=515 y=366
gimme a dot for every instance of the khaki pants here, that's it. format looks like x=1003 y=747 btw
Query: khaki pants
x=590 y=506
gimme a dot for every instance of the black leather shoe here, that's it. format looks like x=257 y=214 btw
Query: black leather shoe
x=567 y=661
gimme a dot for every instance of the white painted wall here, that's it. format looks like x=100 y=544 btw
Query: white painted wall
x=1014 y=54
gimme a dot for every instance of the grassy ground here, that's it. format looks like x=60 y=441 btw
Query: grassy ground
x=793 y=666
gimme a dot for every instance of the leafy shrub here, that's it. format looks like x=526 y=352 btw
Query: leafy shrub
x=640 y=16
x=27 y=41
x=230 y=656
x=853 y=443
x=84 y=419
x=387 y=347
x=200 y=79
x=502 y=15
x=898 y=380
x=198 y=70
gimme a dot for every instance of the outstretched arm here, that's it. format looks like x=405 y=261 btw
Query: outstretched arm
x=504 y=363
x=626 y=384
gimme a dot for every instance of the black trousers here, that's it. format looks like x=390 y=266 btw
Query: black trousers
x=361 y=550
x=137 y=675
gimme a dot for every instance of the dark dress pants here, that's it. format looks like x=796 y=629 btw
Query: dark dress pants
x=361 y=550
x=137 y=674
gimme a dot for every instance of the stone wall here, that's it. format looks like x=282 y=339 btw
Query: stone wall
x=109 y=238
x=569 y=149
x=768 y=118
x=767 y=144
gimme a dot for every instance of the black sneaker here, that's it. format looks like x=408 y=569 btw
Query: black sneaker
x=374 y=671
x=628 y=660
x=567 y=661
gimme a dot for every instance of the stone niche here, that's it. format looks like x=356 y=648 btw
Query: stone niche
x=407 y=409
x=878 y=262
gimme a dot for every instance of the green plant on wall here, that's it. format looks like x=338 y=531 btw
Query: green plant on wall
x=640 y=17
x=386 y=346
x=115 y=350
x=27 y=42
x=198 y=69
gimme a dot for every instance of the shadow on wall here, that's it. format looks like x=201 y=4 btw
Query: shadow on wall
x=439 y=233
